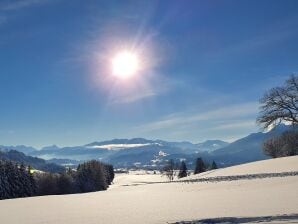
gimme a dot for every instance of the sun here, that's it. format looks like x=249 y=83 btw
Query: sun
x=125 y=65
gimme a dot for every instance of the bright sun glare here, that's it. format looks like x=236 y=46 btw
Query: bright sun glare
x=125 y=65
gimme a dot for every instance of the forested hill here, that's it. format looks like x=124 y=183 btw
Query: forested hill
x=36 y=163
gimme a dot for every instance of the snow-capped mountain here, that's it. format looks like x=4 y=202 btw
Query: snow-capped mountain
x=118 y=144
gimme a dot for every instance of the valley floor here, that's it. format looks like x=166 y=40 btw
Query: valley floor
x=148 y=198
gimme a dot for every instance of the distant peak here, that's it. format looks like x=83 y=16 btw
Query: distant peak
x=50 y=147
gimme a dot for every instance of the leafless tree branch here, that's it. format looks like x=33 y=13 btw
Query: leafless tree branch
x=280 y=104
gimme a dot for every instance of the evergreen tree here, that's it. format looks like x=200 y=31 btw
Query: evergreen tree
x=213 y=166
x=33 y=187
x=93 y=176
x=24 y=182
x=200 y=166
x=13 y=186
x=46 y=184
x=4 y=185
x=14 y=181
x=65 y=184
x=183 y=170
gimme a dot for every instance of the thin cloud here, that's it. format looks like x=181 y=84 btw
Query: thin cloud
x=134 y=98
x=262 y=41
x=235 y=125
x=16 y=5
x=143 y=89
x=225 y=113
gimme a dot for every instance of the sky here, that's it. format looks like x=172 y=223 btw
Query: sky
x=204 y=65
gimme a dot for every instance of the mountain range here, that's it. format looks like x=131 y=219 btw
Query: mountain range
x=142 y=152
x=36 y=163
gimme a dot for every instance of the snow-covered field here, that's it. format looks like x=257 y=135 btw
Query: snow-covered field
x=148 y=198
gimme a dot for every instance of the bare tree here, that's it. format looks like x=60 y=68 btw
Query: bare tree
x=169 y=170
x=280 y=104
x=290 y=146
x=272 y=147
x=284 y=145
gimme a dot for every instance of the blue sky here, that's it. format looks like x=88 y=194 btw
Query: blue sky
x=205 y=66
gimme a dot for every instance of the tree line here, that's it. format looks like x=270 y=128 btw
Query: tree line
x=200 y=166
x=18 y=181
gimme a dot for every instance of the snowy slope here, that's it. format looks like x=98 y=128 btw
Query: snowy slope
x=137 y=198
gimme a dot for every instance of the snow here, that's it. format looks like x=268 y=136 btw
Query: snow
x=139 y=197
x=118 y=146
x=162 y=154
x=285 y=164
